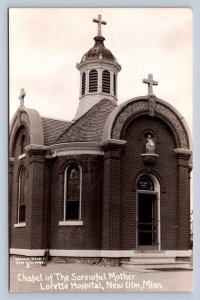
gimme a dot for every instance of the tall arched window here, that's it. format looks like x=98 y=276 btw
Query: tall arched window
x=114 y=84
x=22 y=195
x=83 y=83
x=106 y=81
x=93 y=79
x=72 y=194
x=23 y=143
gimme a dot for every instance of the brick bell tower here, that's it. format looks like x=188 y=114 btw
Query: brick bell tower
x=98 y=74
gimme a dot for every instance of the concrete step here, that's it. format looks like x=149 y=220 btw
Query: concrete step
x=156 y=265
x=152 y=260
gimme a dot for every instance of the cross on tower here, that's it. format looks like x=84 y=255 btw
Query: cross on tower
x=150 y=83
x=99 y=24
x=22 y=96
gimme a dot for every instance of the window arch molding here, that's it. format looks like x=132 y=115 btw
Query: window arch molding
x=153 y=174
x=19 y=132
x=72 y=194
x=22 y=164
x=76 y=160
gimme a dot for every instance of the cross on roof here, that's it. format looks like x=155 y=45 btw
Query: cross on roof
x=150 y=83
x=22 y=96
x=99 y=24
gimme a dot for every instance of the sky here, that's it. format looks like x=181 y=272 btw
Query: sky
x=45 y=45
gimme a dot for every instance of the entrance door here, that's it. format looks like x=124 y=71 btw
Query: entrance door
x=147 y=220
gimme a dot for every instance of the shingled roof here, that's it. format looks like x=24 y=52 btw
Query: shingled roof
x=53 y=128
x=88 y=127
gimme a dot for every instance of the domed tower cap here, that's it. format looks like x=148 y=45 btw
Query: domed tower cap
x=98 y=50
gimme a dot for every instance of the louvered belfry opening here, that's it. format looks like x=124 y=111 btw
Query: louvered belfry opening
x=93 y=76
x=83 y=83
x=106 y=82
x=114 y=84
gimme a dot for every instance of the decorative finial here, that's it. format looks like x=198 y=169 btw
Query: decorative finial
x=150 y=83
x=22 y=96
x=99 y=24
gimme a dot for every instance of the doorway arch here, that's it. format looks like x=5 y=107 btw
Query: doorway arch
x=148 y=212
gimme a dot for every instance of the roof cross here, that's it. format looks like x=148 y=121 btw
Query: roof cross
x=99 y=21
x=150 y=83
x=22 y=96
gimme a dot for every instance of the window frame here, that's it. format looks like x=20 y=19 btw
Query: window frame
x=19 y=196
x=65 y=220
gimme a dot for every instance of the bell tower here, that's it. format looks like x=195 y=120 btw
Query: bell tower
x=98 y=74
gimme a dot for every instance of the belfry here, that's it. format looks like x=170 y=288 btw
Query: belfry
x=98 y=74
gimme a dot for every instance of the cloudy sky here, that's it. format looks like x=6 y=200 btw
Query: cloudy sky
x=45 y=45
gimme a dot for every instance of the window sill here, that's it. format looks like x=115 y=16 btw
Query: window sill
x=20 y=225
x=70 y=223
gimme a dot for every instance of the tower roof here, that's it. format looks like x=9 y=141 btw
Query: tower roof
x=98 y=51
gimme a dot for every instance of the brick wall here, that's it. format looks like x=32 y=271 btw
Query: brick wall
x=87 y=236
x=19 y=237
x=167 y=171
x=108 y=195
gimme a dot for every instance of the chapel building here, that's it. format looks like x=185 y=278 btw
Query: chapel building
x=113 y=182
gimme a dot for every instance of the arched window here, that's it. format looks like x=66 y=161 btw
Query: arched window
x=22 y=195
x=23 y=143
x=114 y=84
x=83 y=83
x=72 y=194
x=93 y=79
x=106 y=81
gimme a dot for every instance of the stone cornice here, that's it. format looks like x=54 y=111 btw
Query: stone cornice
x=183 y=151
x=113 y=142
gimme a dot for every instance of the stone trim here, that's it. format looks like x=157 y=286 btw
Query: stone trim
x=74 y=148
x=183 y=151
x=117 y=120
x=22 y=156
x=27 y=252
x=31 y=119
x=113 y=142
x=71 y=223
x=99 y=253
x=74 y=152
x=18 y=225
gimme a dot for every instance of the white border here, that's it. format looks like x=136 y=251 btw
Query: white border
x=5 y=4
